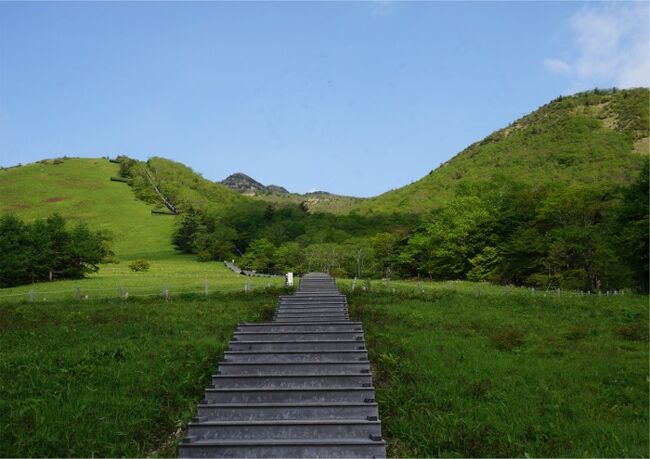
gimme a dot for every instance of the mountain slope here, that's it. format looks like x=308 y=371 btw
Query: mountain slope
x=317 y=201
x=80 y=189
x=242 y=183
x=598 y=136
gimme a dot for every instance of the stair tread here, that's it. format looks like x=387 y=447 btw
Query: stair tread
x=270 y=442
x=284 y=422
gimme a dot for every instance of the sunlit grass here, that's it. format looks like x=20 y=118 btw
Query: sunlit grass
x=177 y=273
x=497 y=374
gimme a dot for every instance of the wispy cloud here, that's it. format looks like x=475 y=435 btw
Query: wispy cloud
x=381 y=7
x=612 y=46
x=557 y=66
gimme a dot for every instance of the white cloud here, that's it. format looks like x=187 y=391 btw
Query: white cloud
x=557 y=66
x=612 y=46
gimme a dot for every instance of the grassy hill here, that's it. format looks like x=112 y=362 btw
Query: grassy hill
x=80 y=189
x=597 y=136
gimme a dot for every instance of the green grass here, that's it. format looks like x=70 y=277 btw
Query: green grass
x=461 y=369
x=507 y=374
x=178 y=273
x=80 y=189
x=111 y=378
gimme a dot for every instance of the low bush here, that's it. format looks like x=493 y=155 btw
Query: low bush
x=139 y=266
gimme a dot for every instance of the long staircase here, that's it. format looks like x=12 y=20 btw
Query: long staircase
x=299 y=386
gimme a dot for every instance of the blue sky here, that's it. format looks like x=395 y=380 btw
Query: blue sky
x=352 y=98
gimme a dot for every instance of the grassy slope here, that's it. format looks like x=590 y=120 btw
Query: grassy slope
x=111 y=378
x=508 y=375
x=80 y=189
x=185 y=188
x=585 y=138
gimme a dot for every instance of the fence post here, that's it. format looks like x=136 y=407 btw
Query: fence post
x=77 y=293
x=165 y=292
x=247 y=287
x=31 y=295
x=354 y=283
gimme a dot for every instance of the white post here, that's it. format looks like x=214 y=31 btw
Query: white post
x=288 y=280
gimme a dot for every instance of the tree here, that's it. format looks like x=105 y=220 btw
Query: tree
x=444 y=246
x=87 y=249
x=46 y=250
x=14 y=252
x=633 y=226
x=186 y=232
x=259 y=255
x=288 y=257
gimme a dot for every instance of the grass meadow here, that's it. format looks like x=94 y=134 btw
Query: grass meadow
x=507 y=374
x=113 y=377
x=461 y=369
x=177 y=273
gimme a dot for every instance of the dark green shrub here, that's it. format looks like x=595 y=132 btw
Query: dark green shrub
x=139 y=266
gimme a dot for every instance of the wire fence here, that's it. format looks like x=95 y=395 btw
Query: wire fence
x=475 y=289
x=164 y=291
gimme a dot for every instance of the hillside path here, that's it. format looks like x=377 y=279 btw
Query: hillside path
x=299 y=386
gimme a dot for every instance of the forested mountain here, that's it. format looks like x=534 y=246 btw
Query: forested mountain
x=597 y=137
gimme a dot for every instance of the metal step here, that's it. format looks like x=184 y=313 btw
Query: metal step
x=294 y=356
x=288 y=368
x=296 y=336
x=337 y=448
x=287 y=411
x=291 y=395
x=304 y=429
x=301 y=327
x=297 y=381
x=316 y=345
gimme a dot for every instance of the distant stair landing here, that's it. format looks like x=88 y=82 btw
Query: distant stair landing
x=299 y=386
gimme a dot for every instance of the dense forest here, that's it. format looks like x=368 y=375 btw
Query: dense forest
x=581 y=237
x=46 y=249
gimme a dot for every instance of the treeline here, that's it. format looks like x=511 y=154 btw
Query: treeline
x=46 y=249
x=585 y=237
x=273 y=238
